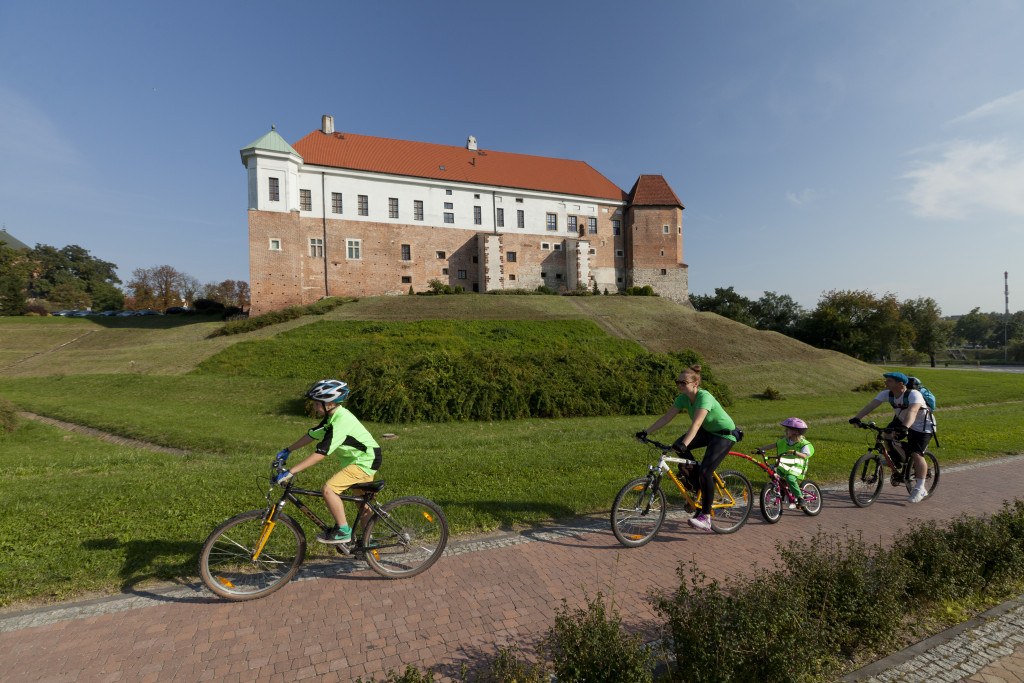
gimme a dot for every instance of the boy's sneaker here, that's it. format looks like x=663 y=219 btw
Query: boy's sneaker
x=917 y=495
x=702 y=522
x=335 y=535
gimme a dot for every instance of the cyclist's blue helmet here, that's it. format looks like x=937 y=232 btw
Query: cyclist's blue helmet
x=328 y=391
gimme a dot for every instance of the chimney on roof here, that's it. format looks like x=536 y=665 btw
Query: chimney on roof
x=471 y=143
x=328 y=125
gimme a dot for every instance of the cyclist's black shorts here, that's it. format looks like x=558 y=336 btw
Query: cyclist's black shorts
x=917 y=442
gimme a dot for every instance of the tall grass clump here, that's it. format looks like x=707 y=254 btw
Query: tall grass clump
x=8 y=416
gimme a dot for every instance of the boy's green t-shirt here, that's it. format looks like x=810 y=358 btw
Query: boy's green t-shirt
x=716 y=421
x=342 y=433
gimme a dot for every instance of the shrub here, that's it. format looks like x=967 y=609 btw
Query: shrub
x=874 y=386
x=588 y=644
x=911 y=357
x=8 y=416
x=518 y=292
x=36 y=309
x=772 y=394
x=208 y=306
x=459 y=289
x=248 y=324
x=410 y=675
x=646 y=290
x=544 y=289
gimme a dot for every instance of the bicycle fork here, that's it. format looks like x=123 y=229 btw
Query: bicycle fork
x=268 y=526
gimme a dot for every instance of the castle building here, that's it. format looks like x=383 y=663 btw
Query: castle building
x=338 y=214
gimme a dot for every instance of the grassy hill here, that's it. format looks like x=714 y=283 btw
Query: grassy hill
x=748 y=360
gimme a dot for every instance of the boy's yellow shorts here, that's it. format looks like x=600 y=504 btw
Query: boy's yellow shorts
x=347 y=478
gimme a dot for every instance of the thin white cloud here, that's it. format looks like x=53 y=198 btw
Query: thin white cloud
x=802 y=198
x=1010 y=104
x=970 y=178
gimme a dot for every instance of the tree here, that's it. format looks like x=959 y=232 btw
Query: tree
x=857 y=323
x=228 y=292
x=70 y=295
x=73 y=268
x=726 y=303
x=777 y=312
x=14 y=269
x=974 y=327
x=160 y=287
x=931 y=332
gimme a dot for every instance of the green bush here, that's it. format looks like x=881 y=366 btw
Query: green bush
x=519 y=292
x=873 y=387
x=8 y=416
x=274 y=317
x=588 y=644
x=646 y=290
x=772 y=394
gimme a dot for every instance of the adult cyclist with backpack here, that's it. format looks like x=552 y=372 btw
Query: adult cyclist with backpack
x=913 y=420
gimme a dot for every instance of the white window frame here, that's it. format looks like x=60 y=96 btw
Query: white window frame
x=353 y=247
x=275 y=244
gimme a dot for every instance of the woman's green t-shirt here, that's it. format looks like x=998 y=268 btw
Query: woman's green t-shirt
x=716 y=421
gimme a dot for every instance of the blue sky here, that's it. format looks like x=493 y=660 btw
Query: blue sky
x=816 y=145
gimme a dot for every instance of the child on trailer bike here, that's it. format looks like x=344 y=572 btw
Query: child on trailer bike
x=913 y=421
x=711 y=428
x=794 y=452
x=341 y=433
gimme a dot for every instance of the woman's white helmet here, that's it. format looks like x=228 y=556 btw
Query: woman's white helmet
x=328 y=391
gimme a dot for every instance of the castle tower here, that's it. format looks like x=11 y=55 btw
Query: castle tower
x=654 y=239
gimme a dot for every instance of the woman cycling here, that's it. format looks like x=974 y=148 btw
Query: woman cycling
x=711 y=428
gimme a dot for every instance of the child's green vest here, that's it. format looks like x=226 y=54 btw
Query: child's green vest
x=791 y=464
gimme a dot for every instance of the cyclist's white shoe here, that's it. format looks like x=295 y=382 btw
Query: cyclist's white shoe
x=917 y=495
x=702 y=522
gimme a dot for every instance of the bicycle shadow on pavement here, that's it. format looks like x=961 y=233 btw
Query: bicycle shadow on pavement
x=163 y=566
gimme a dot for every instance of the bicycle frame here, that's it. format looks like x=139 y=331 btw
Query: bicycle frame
x=882 y=445
x=662 y=468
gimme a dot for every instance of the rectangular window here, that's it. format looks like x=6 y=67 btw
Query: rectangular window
x=558 y=276
x=511 y=276
x=275 y=245
x=665 y=228
x=440 y=254
x=520 y=219
x=557 y=246
x=447 y=191
x=616 y=227
x=392 y=207
x=570 y=224
x=316 y=247
x=619 y=253
x=593 y=251
x=552 y=221
x=477 y=216
x=462 y=275
x=406 y=280
x=519 y=200
x=476 y=196
x=336 y=202
x=501 y=218
x=449 y=205
x=364 y=205
x=510 y=256
x=444 y=271
x=449 y=217
x=305 y=200
x=592 y=226
x=417 y=210
x=274 y=189
x=406 y=252
x=545 y=246
x=353 y=248
x=664 y=272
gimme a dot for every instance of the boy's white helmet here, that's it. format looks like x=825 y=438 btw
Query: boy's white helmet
x=329 y=391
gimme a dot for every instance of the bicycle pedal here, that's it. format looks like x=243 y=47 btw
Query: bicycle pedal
x=343 y=548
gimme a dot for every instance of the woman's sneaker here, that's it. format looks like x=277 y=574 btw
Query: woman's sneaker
x=702 y=522
x=335 y=535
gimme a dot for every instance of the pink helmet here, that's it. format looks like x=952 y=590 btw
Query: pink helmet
x=794 y=422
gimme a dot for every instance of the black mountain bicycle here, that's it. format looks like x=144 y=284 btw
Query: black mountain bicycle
x=249 y=556
x=869 y=473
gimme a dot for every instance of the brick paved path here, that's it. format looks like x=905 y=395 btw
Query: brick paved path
x=357 y=624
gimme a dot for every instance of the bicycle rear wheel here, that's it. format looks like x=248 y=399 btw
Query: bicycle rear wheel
x=931 y=480
x=638 y=512
x=812 y=497
x=866 y=479
x=771 y=502
x=733 y=500
x=406 y=538
x=226 y=563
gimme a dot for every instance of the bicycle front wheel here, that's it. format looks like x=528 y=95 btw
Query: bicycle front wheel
x=812 y=497
x=638 y=512
x=227 y=564
x=866 y=480
x=771 y=502
x=931 y=480
x=733 y=499
x=406 y=538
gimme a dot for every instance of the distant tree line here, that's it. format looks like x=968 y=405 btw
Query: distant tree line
x=866 y=325
x=47 y=278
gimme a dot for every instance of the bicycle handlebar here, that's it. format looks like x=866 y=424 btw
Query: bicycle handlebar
x=658 y=444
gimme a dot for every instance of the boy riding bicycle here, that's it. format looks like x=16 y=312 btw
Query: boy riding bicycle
x=340 y=432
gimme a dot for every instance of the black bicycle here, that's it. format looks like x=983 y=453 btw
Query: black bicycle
x=869 y=473
x=250 y=556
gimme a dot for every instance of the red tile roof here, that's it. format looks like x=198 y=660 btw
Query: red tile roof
x=653 y=190
x=457 y=164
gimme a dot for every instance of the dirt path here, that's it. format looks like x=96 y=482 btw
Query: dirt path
x=104 y=436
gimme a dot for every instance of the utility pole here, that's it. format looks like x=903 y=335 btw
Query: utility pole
x=1006 y=317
